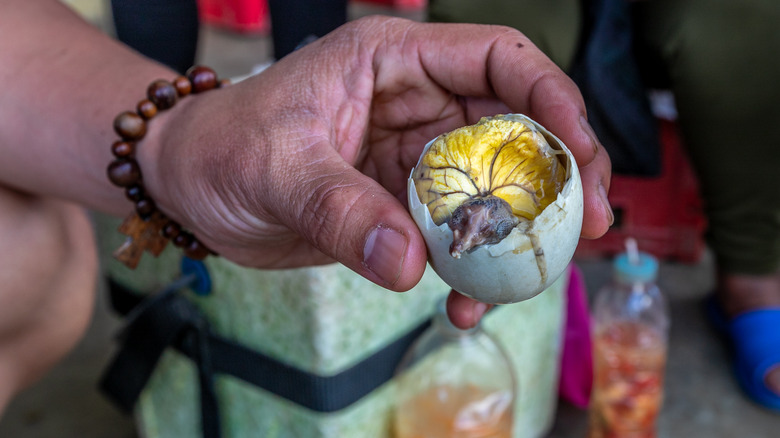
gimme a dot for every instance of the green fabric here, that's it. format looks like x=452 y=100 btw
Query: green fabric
x=718 y=57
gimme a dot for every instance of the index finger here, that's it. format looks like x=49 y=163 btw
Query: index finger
x=485 y=61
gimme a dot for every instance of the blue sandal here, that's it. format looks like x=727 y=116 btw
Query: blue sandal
x=755 y=338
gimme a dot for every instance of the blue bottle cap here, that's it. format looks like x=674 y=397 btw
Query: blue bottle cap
x=643 y=269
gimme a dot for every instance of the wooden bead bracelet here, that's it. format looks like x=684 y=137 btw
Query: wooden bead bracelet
x=147 y=228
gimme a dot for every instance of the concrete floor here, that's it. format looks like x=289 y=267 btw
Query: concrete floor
x=702 y=399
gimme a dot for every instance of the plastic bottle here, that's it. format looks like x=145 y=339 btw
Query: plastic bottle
x=454 y=383
x=630 y=337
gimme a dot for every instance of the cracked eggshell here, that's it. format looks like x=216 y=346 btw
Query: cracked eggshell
x=509 y=271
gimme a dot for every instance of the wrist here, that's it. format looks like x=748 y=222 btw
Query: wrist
x=148 y=228
x=159 y=178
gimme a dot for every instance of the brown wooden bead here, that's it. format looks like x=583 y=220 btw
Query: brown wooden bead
x=146 y=109
x=148 y=229
x=123 y=149
x=130 y=126
x=183 y=239
x=124 y=172
x=182 y=85
x=171 y=230
x=134 y=193
x=145 y=207
x=202 y=78
x=196 y=250
x=162 y=93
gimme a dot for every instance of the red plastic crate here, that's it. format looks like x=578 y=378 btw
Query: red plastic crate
x=664 y=214
x=244 y=16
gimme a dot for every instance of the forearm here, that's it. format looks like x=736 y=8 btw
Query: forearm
x=64 y=83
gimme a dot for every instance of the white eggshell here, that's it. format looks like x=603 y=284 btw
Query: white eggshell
x=508 y=272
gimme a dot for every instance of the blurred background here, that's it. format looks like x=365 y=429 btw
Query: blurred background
x=701 y=397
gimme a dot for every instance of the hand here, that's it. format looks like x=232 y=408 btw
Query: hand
x=307 y=162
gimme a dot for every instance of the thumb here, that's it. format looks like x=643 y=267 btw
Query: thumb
x=353 y=219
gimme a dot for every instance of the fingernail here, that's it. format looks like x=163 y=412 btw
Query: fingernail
x=383 y=253
x=605 y=201
x=594 y=141
x=478 y=310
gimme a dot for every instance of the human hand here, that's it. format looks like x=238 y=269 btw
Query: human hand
x=307 y=162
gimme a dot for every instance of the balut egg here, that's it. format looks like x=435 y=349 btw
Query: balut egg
x=500 y=206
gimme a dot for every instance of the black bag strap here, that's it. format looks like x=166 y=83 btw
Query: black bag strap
x=167 y=319
x=155 y=323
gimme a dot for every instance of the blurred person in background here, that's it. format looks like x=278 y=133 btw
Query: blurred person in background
x=168 y=30
x=716 y=57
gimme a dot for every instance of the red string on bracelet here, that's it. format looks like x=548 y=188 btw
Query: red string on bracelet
x=148 y=229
